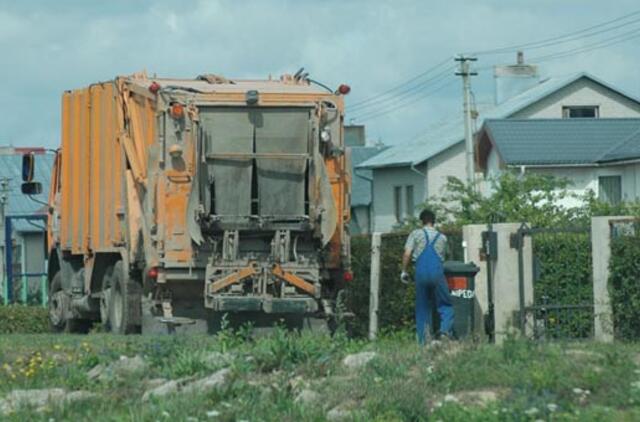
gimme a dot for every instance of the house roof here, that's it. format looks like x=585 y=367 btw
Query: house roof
x=563 y=141
x=435 y=141
x=361 y=179
x=17 y=203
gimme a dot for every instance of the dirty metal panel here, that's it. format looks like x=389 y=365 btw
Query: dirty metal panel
x=65 y=157
x=281 y=181
x=229 y=131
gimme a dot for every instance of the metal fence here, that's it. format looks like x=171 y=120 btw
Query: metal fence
x=19 y=284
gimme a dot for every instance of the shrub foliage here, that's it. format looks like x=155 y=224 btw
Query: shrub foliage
x=624 y=286
x=23 y=319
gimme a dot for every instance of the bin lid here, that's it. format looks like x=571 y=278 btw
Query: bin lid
x=460 y=268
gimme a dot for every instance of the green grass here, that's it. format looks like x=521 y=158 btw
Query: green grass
x=403 y=382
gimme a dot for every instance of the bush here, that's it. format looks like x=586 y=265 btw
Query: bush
x=563 y=276
x=396 y=299
x=23 y=319
x=624 y=286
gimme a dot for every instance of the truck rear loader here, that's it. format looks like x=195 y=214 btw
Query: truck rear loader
x=176 y=200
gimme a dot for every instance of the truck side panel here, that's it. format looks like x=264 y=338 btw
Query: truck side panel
x=92 y=166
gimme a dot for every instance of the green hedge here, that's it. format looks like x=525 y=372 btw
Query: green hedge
x=23 y=319
x=624 y=286
x=562 y=273
x=396 y=306
x=563 y=276
x=396 y=299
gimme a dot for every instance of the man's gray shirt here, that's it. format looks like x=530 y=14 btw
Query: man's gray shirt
x=416 y=242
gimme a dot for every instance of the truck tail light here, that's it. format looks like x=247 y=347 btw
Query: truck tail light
x=347 y=276
x=344 y=89
x=177 y=110
x=153 y=273
x=154 y=87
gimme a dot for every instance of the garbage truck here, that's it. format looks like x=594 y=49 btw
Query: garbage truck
x=175 y=200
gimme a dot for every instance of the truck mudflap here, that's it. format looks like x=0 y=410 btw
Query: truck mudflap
x=302 y=305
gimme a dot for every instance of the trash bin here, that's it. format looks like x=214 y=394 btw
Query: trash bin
x=461 y=280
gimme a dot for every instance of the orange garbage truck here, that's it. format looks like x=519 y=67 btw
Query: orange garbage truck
x=174 y=201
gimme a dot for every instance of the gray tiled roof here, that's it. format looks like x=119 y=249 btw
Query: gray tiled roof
x=435 y=141
x=564 y=141
x=11 y=167
x=361 y=178
x=626 y=150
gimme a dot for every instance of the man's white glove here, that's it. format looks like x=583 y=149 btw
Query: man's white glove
x=404 y=277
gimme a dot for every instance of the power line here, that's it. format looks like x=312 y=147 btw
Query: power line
x=594 y=46
x=560 y=38
x=417 y=95
x=409 y=92
x=370 y=116
x=401 y=85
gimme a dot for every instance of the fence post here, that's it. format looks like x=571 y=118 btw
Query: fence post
x=5 y=291
x=601 y=253
x=374 y=287
x=44 y=294
x=24 y=290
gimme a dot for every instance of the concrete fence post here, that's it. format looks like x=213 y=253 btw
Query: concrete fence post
x=376 y=241
x=505 y=278
x=601 y=253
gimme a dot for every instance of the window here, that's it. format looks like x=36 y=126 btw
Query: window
x=610 y=189
x=409 y=199
x=577 y=112
x=397 y=202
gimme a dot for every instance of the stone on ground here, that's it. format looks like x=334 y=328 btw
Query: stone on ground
x=169 y=387
x=307 y=397
x=358 y=360
x=122 y=368
x=337 y=414
x=212 y=382
x=40 y=398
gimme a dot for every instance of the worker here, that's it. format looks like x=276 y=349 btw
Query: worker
x=426 y=248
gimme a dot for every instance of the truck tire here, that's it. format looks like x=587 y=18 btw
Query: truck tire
x=124 y=302
x=60 y=320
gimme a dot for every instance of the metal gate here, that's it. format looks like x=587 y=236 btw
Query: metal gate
x=562 y=282
x=25 y=276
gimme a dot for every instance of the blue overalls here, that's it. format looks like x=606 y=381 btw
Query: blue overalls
x=430 y=282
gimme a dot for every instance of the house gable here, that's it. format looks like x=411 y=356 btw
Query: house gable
x=584 y=91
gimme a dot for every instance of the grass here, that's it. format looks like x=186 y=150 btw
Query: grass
x=525 y=381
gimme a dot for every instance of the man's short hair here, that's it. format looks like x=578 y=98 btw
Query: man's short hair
x=427 y=216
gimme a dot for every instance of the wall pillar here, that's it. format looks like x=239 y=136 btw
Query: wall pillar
x=506 y=286
x=601 y=253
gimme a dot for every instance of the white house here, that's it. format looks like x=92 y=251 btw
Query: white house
x=407 y=174
x=601 y=155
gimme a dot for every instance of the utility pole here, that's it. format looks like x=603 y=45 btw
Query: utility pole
x=468 y=133
x=4 y=199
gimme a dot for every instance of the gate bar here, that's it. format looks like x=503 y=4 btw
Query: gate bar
x=8 y=250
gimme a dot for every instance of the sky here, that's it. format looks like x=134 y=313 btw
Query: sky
x=52 y=46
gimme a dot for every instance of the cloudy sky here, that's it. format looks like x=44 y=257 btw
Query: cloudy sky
x=50 y=46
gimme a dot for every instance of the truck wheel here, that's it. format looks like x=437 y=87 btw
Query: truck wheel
x=124 y=302
x=105 y=298
x=59 y=303
x=59 y=310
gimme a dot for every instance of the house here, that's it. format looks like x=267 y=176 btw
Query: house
x=602 y=155
x=361 y=189
x=27 y=237
x=405 y=175
x=361 y=205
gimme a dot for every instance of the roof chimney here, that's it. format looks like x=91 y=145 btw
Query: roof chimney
x=511 y=80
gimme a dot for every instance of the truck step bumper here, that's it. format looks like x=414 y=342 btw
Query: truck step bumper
x=266 y=305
